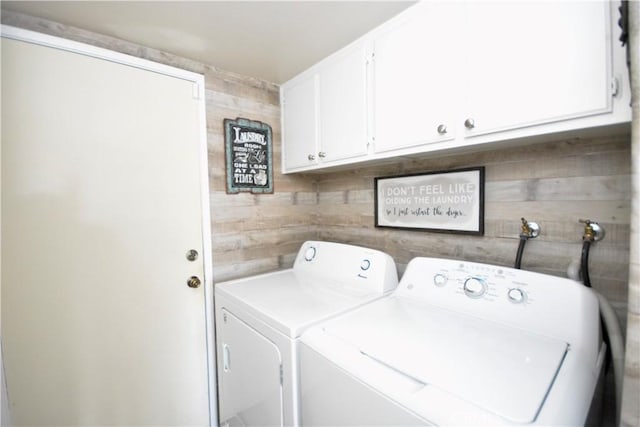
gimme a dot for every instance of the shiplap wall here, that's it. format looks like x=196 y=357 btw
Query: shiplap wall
x=554 y=184
x=253 y=233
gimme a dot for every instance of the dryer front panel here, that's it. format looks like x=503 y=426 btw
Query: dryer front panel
x=249 y=375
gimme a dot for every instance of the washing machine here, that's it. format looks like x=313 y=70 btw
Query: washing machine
x=457 y=343
x=260 y=319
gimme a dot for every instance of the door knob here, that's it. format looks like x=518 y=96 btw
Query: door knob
x=193 y=282
x=442 y=129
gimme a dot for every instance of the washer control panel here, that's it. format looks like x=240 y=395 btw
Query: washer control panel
x=540 y=303
x=472 y=281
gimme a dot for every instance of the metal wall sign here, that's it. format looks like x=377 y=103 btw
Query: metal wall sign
x=444 y=201
x=249 y=156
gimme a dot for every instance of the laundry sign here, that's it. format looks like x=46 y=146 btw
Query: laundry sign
x=444 y=201
x=248 y=156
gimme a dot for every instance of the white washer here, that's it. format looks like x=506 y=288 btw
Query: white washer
x=458 y=343
x=260 y=319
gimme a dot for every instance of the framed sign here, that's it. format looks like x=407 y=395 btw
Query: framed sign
x=445 y=201
x=248 y=156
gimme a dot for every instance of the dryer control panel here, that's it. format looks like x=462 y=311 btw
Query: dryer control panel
x=546 y=304
x=355 y=266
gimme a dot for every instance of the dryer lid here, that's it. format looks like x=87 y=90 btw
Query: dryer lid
x=496 y=367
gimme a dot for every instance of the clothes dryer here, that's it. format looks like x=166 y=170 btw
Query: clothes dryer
x=458 y=343
x=260 y=319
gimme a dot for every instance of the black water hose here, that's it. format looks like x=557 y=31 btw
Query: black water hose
x=584 y=263
x=523 y=241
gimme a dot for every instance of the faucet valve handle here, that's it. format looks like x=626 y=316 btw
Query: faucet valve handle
x=592 y=230
x=529 y=229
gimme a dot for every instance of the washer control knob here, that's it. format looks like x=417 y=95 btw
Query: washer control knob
x=310 y=253
x=474 y=287
x=440 y=279
x=516 y=295
x=365 y=264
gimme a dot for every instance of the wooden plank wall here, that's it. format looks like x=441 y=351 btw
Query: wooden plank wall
x=253 y=233
x=554 y=184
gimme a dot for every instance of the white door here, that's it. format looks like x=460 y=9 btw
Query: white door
x=102 y=197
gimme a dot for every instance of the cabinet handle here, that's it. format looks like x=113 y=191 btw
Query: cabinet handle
x=442 y=129
x=322 y=154
x=469 y=123
x=311 y=157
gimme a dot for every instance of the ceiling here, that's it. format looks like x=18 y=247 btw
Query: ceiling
x=270 y=40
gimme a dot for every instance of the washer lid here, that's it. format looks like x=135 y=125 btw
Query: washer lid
x=501 y=369
x=291 y=302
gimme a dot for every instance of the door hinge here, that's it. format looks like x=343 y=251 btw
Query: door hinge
x=615 y=86
x=281 y=375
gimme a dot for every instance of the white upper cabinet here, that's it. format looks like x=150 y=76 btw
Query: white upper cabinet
x=416 y=77
x=343 y=106
x=529 y=63
x=299 y=122
x=445 y=75
x=325 y=112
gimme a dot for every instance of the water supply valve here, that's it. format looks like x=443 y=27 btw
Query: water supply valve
x=529 y=230
x=593 y=232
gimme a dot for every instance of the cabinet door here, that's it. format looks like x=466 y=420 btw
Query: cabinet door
x=343 y=106
x=299 y=123
x=535 y=62
x=415 y=82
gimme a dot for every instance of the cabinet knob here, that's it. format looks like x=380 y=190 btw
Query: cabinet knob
x=311 y=157
x=469 y=123
x=442 y=129
x=322 y=154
